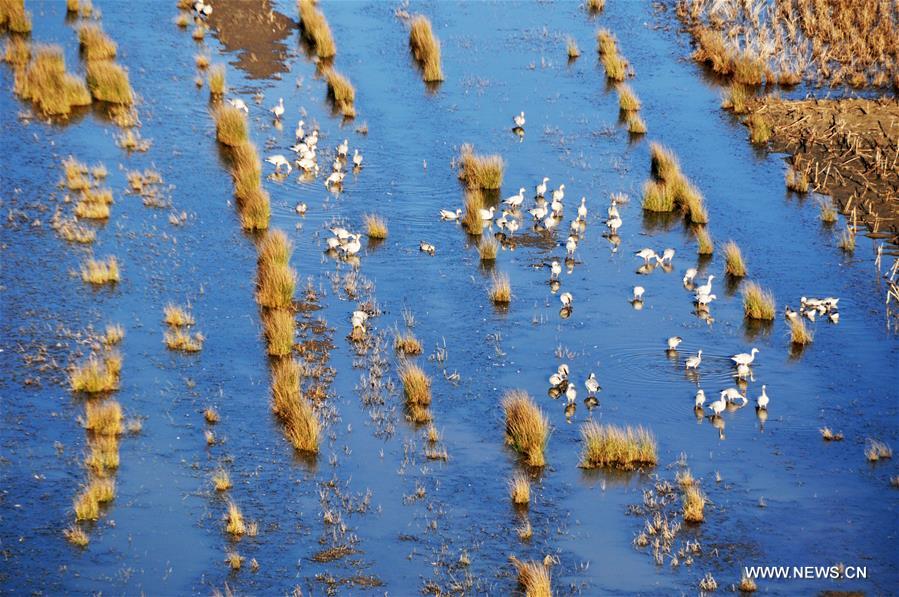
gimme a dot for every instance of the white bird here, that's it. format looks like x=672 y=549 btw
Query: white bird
x=674 y=342
x=278 y=110
x=550 y=222
x=357 y=159
x=834 y=317
x=557 y=208
x=512 y=226
x=566 y=299
x=358 y=318
x=446 y=214
x=277 y=161
x=689 y=275
x=703 y=300
x=335 y=179
x=592 y=385
x=790 y=314
x=745 y=358
x=646 y=254
x=333 y=243
x=830 y=302
x=571 y=393
x=541 y=188
x=539 y=212
x=718 y=406
x=486 y=214
x=352 y=246
x=239 y=104
x=519 y=120
x=427 y=248
x=341 y=233
x=614 y=224
x=732 y=395
x=300 y=131
x=559 y=193
x=515 y=200
x=667 y=256
x=743 y=371
x=582 y=210
x=638 y=294
x=700 y=398
x=613 y=209
x=501 y=221
x=762 y=400
x=693 y=362
x=301 y=208
x=707 y=287
x=343 y=148
x=811 y=314
x=571 y=245
x=555 y=268
x=556 y=380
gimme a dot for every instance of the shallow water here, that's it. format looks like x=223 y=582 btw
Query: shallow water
x=163 y=534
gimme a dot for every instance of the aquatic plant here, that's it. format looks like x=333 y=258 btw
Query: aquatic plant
x=501 y=289
x=520 y=489
x=406 y=344
x=877 y=450
x=231 y=126
x=657 y=196
x=103 y=417
x=234 y=521
x=416 y=385
x=217 y=84
x=829 y=436
x=177 y=316
x=571 y=48
x=595 y=6
x=275 y=250
x=685 y=478
x=527 y=428
x=828 y=212
x=747 y=584
x=87 y=503
x=758 y=303
x=202 y=61
x=286 y=376
x=733 y=260
x=606 y=42
x=627 y=99
x=425 y=48
x=635 y=124
x=255 y=209
x=759 y=128
x=737 y=99
x=480 y=171
x=376 y=226
x=705 y=246
x=315 y=29
x=108 y=82
x=799 y=333
x=341 y=92
x=280 y=328
x=221 y=480
x=847 y=240
x=100 y=271
x=114 y=334
x=471 y=218
x=797 y=180
x=14 y=17
x=488 y=248
x=104 y=454
x=533 y=577
x=276 y=284
x=17 y=52
x=694 y=504
x=76 y=536
x=610 y=446
x=45 y=82
x=615 y=66
x=178 y=339
x=94 y=43
x=211 y=415
x=663 y=163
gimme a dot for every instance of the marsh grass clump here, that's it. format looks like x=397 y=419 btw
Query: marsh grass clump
x=627 y=99
x=615 y=66
x=92 y=210
x=759 y=128
x=255 y=210
x=533 y=577
x=426 y=49
x=341 y=92
x=877 y=450
x=221 y=480
x=217 y=86
x=595 y=6
x=280 y=328
x=275 y=250
x=708 y=584
x=797 y=180
x=663 y=163
x=315 y=29
x=705 y=246
x=733 y=260
x=231 y=126
x=234 y=521
x=114 y=334
x=234 y=560
x=480 y=171
x=276 y=286
x=375 y=226
x=100 y=271
x=737 y=99
x=76 y=174
x=202 y=61
x=527 y=428
x=103 y=418
x=178 y=339
x=606 y=42
x=132 y=141
x=488 y=248
x=747 y=584
x=610 y=446
x=694 y=504
x=406 y=344
x=177 y=316
x=520 y=489
x=198 y=33
x=14 y=17
x=94 y=43
x=471 y=218
x=45 y=82
x=657 y=196
x=690 y=201
x=635 y=124
x=799 y=332
x=104 y=454
x=416 y=385
x=246 y=170
x=301 y=425
x=500 y=289
x=286 y=375
x=685 y=478
x=758 y=303
x=572 y=49
x=18 y=51
x=828 y=435
x=211 y=415
x=847 y=240
x=87 y=503
x=108 y=82
x=76 y=536
x=71 y=231
x=828 y=212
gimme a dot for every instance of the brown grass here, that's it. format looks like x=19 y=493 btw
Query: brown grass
x=471 y=218
x=694 y=504
x=657 y=196
x=14 y=17
x=276 y=286
x=759 y=128
x=595 y=6
x=635 y=124
x=480 y=171
x=301 y=425
x=877 y=450
x=178 y=339
x=18 y=51
x=425 y=48
x=234 y=521
x=406 y=344
x=416 y=385
x=520 y=489
x=221 y=480
x=103 y=418
x=847 y=240
x=100 y=271
x=104 y=454
x=211 y=415
x=375 y=226
x=76 y=172
x=690 y=201
x=315 y=29
x=615 y=66
x=747 y=584
x=527 y=428
x=255 y=210
x=217 y=84
x=610 y=446
x=114 y=334
x=108 y=82
x=733 y=260
x=246 y=170
x=533 y=577
x=500 y=289
x=799 y=333
x=797 y=180
x=177 y=316
x=341 y=92
x=231 y=126
x=705 y=246
x=829 y=436
x=606 y=42
x=94 y=43
x=280 y=328
x=92 y=210
x=685 y=478
x=45 y=82
x=663 y=163
x=202 y=61
x=275 y=250
x=627 y=99
x=87 y=504
x=828 y=213
x=286 y=376
x=737 y=99
x=488 y=248
x=76 y=536
x=758 y=303
x=572 y=49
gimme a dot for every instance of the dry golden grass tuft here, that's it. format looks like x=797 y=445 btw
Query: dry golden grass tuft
x=104 y=454
x=433 y=435
x=480 y=171
x=202 y=61
x=71 y=231
x=471 y=219
x=375 y=226
x=694 y=504
x=759 y=128
x=572 y=49
x=108 y=82
x=315 y=29
x=94 y=43
x=799 y=333
x=221 y=480
x=685 y=478
x=500 y=289
x=255 y=210
x=301 y=425
x=211 y=415
x=635 y=124
x=45 y=82
x=280 y=328
x=426 y=49
x=747 y=584
x=104 y=418
x=847 y=240
x=877 y=450
x=520 y=489
x=615 y=66
x=76 y=536
x=276 y=284
x=606 y=42
x=87 y=503
x=527 y=428
x=488 y=248
x=828 y=212
x=416 y=385
x=132 y=141
x=275 y=249
x=690 y=201
x=627 y=99
x=737 y=99
x=525 y=531
x=663 y=163
x=533 y=577
x=234 y=560
x=96 y=375
x=14 y=17
x=176 y=316
x=76 y=174
x=610 y=446
x=758 y=303
x=406 y=344
x=114 y=334
x=829 y=435
x=91 y=210
x=182 y=20
x=178 y=339
x=286 y=375
x=657 y=196
x=230 y=125
x=100 y=271
x=705 y=245
x=733 y=260
x=18 y=51
x=595 y=6
x=797 y=180
x=234 y=521
x=246 y=170
x=217 y=85
x=198 y=33
x=341 y=92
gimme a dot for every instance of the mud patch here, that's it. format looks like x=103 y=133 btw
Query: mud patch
x=255 y=34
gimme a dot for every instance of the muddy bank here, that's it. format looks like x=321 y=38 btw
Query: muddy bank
x=255 y=33
x=849 y=149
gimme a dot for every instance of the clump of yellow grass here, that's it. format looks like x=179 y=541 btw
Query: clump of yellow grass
x=758 y=303
x=108 y=82
x=100 y=271
x=733 y=260
x=533 y=577
x=315 y=29
x=611 y=446
x=425 y=48
x=45 y=82
x=94 y=43
x=480 y=171
x=341 y=92
x=527 y=428
x=230 y=125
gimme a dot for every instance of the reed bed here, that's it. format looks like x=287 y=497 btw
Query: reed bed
x=17 y=51
x=758 y=303
x=471 y=218
x=280 y=328
x=627 y=99
x=301 y=425
x=635 y=124
x=416 y=385
x=217 y=84
x=572 y=48
x=94 y=43
x=176 y=316
x=45 y=82
x=520 y=489
x=671 y=189
x=231 y=126
x=527 y=428
x=488 y=247
x=425 y=49
x=315 y=29
x=704 y=243
x=104 y=418
x=759 y=128
x=276 y=284
x=341 y=92
x=275 y=250
x=108 y=82
x=181 y=340
x=94 y=376
x=103 y=457
x=406 y=344
x=87 y=504
x=610 y=446
x=14 y=17
x=480 y=171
